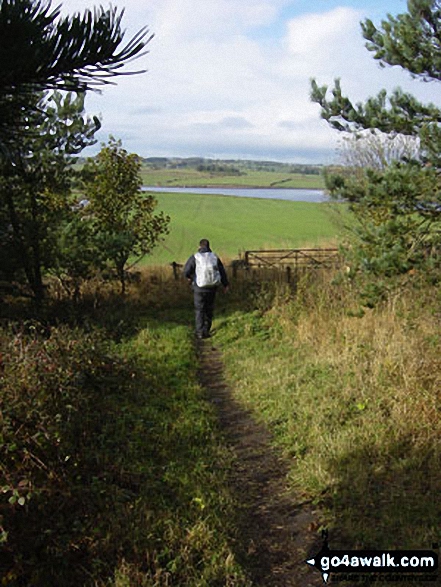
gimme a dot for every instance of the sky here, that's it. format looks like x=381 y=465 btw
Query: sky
x=230 y=79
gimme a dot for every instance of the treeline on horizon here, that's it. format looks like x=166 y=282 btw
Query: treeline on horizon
x=233 y=166
x=240 y=165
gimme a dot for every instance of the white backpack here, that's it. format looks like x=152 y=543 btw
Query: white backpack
x=207 y=272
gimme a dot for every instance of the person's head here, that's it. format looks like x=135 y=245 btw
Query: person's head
x=204 y=243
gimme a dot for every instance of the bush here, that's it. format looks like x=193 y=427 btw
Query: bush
x=51 y=379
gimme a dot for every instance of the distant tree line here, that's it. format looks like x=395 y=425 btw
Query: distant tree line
x=219 y=168
x=232 y=166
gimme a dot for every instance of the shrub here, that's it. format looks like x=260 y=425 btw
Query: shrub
x=51 y=379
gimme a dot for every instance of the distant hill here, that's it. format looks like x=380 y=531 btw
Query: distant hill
x=234 y=166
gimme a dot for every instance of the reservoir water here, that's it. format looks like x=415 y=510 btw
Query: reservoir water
x=294 y=195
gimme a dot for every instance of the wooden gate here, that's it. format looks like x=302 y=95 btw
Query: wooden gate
x=292 y=261
x=294 y=258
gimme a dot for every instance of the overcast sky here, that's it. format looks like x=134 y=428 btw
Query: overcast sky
x=231 y=78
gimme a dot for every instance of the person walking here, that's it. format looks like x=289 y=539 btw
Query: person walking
x=205 y=271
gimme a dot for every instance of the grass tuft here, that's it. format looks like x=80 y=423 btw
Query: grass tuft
x=353 y=399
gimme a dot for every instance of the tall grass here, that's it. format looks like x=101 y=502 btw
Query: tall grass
x=353 y=398
x=113 y=472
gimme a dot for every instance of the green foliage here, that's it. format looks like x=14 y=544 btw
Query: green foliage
x=124 y=219
x=398 y=209
x=410 y=41
x=397 y=227
x=41 y=50
x=398 y=113
x=51 y=378
x=35 y=187
x=79 y=255
x=219 y=168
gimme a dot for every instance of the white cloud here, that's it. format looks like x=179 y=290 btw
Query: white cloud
x=216 y=86
x=315 y=34
x=215 y=19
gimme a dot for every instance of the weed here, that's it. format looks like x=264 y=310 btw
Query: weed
x=113 y=472
x=353 y=399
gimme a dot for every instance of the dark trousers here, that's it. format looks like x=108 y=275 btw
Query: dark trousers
x=204 y=308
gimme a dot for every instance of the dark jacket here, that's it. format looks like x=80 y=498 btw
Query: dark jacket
x=190 y=271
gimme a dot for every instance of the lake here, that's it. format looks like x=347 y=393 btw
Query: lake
x=294 y=195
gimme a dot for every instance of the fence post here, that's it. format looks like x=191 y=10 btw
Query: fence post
x=175 y=270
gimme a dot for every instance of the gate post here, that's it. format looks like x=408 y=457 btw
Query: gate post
x=175 y=270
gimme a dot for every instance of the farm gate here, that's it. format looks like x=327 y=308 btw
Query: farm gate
x=292 y=261
x=277 y=261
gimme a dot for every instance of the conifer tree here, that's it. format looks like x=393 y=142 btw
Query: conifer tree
x=40 y=50
x=398 y=208
x=411 y=41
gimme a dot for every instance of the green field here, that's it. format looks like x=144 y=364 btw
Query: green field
x=235 y=224
x=250 y=178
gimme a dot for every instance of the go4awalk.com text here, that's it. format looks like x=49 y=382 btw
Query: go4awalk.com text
x=363 y=565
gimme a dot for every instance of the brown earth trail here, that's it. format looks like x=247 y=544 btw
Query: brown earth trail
x=276 y=532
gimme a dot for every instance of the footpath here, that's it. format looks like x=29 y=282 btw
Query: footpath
x=276 y=532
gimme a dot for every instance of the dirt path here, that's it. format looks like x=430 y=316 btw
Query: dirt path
x=276 y=532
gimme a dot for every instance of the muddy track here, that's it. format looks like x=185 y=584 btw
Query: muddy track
x=276 y=532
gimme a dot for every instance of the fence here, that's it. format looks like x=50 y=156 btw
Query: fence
x=289 y=260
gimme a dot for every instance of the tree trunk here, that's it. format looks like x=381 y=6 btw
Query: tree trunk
x=37 y=282
x=18 y=237
x=121 y=275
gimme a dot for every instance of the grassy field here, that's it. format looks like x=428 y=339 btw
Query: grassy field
x=237 y=224
x=250 y=178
